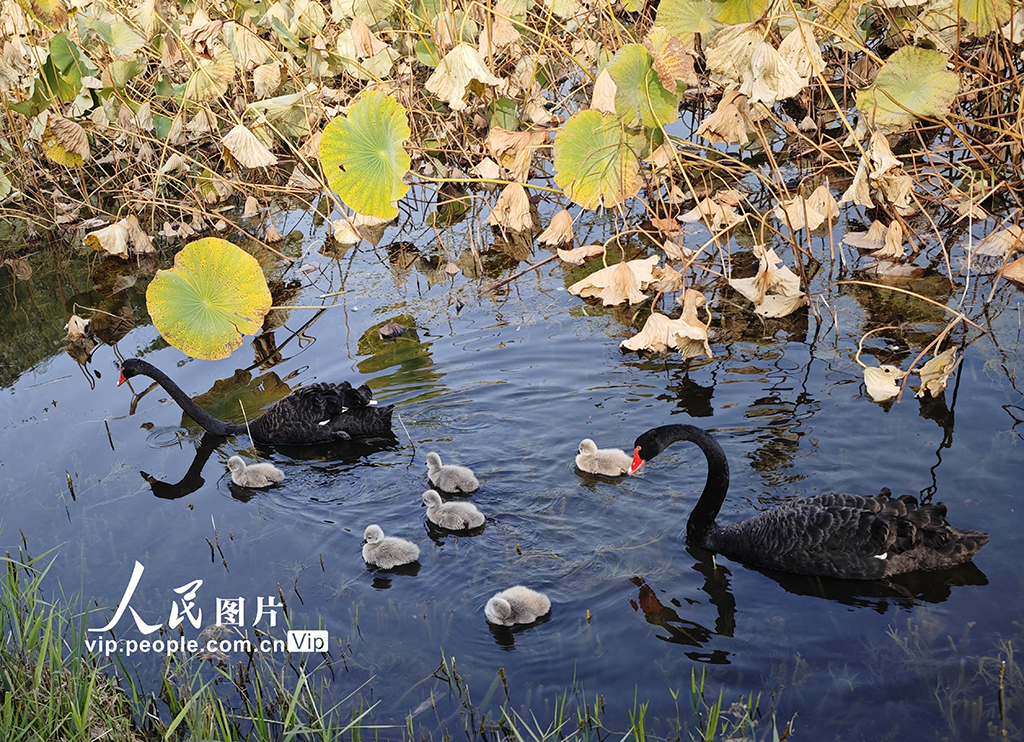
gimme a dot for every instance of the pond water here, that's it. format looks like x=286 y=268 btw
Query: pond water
x=508 y=382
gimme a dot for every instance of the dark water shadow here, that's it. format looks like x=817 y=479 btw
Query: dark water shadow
x=438 y=535
x=193 y=478
x=904 y=591
x=346 y=452
x=505 y=636
x=382 y=577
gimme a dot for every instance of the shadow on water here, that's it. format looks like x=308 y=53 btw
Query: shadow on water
x=505 y=636
x=904 y=591
x=382 y=577
x=345 y=452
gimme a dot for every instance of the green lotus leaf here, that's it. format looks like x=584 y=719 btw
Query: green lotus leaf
x=984 y=16
x=638 y=91
x=363 y=157
x=731 y=12
x=596 y=159
x=684 y=18
x=913 y=83
x=213 y=295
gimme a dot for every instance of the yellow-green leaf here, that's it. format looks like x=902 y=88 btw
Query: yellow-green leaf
x=913 y=83
x=214 y=293
x=363 y=157
x=596 y=159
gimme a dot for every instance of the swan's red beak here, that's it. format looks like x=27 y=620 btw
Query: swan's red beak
x=637 y=461
x=122 y=379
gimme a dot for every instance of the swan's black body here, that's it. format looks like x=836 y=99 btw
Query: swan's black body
x=848 y=536
x=318 y=413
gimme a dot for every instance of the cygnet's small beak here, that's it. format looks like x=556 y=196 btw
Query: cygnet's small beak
x=121 y=380
x=637 y=461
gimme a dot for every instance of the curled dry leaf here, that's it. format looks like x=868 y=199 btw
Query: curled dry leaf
x=266 y=79
x=247 y=149
x=487 y=169
x=137 y=237
x=559 y=231
x=580 y=255
x=730 y=123
x=344 y=232
x=272 y=235
x=713 y=212
x=603 y=98
x=1014 y=271
x=729 y=51
x=801 y=51
x=935 y=372
x=21 y=268
x=687 y=334
x=892 y=248
x=810 y=212
x=775 y=290
x=497 y=32
x=770 y=77
x=512 y=209
x=873 y=239
x=514 y=149
x=1002 y=243
x=619 y=283
x=252 y=206
x=453 y=76
x=70 y=136
x=112 y=239
x=77 y=328
x=881 y=381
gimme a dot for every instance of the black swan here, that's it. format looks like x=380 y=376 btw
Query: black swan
x=854 y=537
x=318 y=413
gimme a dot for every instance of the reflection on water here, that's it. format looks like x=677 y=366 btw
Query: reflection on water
x=509 y=383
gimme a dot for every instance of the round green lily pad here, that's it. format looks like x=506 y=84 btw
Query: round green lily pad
x=363 y=157
x=213 y=295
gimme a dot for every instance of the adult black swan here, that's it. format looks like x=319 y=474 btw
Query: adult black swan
x=318 y=413
x=848 y=536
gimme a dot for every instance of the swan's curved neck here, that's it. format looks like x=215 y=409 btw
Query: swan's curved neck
x=701 y=523
x=188 y=405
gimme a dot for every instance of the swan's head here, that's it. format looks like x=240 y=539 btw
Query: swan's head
x=433 y=461
x=373 y=535
x=497 y=610
x=235 y=464
x=645 y=448
x=431 y=499
x=587 y=446
x=131 y=367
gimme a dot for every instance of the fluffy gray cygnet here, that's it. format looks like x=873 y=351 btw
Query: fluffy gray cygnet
x=608 y=461
x=450 y=478
x=387 y=552
x=518 y=604
x=455 y=516
x=253 y=475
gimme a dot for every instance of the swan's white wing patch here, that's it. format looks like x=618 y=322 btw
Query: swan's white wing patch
x=881 y=556
x=372 y=402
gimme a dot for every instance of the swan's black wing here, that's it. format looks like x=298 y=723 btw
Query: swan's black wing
x=321 y=413
x=850 y=536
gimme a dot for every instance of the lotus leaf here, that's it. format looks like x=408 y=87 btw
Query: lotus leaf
x=913 y=83
x=363 y=157
x=214 y=293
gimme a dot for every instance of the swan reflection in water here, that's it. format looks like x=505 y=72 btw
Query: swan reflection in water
x=904 y=591
x=343 y=452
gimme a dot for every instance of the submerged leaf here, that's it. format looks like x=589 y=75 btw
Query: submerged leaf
x=580 y=255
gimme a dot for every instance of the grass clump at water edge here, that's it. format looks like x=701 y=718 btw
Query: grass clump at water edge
x=53 y=688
